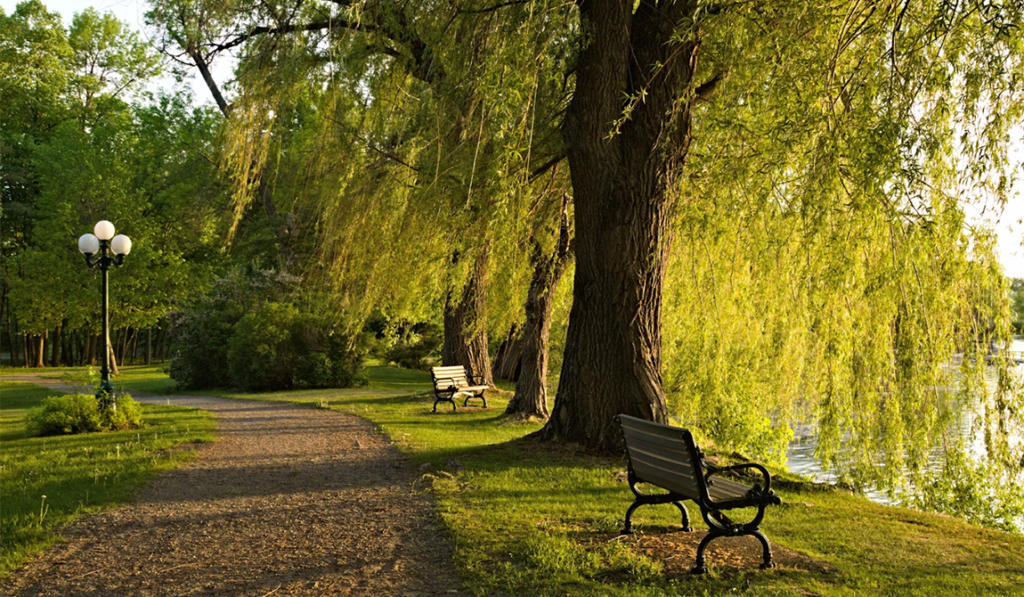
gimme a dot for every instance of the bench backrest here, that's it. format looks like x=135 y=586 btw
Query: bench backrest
x=444 y=377
x=664 y=456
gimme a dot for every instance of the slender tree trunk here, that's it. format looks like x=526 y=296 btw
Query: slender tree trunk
x=133 y=352
x=635 y=63
x=506 y=362
x=149 y=345
x=9 y=329
x=25 y=348
x=87 y=351
x=531 y=397
x=40 y=355
x=113 y=363
x=465 y=329
x=57 y=344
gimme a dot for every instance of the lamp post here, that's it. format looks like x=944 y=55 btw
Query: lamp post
x=104 y=250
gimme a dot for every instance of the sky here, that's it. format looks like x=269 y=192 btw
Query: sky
x=1007 y=222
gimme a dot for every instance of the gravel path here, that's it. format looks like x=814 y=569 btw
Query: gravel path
x=288 y=501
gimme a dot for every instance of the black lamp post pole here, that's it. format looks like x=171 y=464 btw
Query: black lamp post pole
x=104 y=253
x=106 y=391
x=103 y=260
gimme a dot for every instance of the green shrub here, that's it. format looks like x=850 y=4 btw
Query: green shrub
x=201 y=333
x=314 y=370
x=81 y=413
x=245 y=334
x=276 y=347
x=261 y=351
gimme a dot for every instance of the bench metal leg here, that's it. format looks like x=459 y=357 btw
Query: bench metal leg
x=443 y=400
x=686 y=516
x=719 y=525
x=699 y=567
x=628 y=528
x=643 y=500
x=481 y=396
x=767 y=563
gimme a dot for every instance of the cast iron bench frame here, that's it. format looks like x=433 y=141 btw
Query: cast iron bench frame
x=452 y=381
x=669 y=458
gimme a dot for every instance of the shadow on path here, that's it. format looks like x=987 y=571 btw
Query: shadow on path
x=288 y=501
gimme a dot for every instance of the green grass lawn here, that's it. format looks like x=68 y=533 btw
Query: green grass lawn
x=46 y=482
x=537 y=519
x=528 y=518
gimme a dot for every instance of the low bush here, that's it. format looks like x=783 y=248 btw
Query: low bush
x=245 y=334
x=81 y=413
x=277 y=347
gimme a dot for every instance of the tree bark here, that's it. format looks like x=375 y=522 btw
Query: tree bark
x=633 y=64
x=149 y=345
x=465 y=329
x=506 y=362
x=56 y=345
x=40 y=355
x=531 y=397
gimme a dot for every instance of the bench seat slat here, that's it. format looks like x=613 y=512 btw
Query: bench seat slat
x=720 y=488
x=726 y=489
x=673 y=482
x=649 y=468
x=675 y=444
x=473 y=388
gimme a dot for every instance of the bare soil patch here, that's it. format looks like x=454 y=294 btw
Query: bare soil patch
x=677 y=551
x=289 y=501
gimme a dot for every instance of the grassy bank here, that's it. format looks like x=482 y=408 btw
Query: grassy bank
x=529 y=518
x=46 y=482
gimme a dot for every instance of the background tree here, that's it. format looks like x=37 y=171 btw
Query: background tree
x=148 y=168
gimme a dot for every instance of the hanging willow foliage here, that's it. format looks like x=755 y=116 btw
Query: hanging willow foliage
x=824 y=270
x=409 y=156
x=821 y=267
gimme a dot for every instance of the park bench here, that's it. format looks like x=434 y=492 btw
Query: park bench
x=667 y=457
x=452 y=381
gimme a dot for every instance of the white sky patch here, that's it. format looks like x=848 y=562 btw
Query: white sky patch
x=133 y=12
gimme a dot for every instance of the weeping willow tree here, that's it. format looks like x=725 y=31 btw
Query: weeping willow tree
x=429 y=162
x=824 y=270
x=794 y=175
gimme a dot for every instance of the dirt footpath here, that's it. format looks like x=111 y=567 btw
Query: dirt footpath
x=289 y=501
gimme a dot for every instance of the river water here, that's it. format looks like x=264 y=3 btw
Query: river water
x=800 y=454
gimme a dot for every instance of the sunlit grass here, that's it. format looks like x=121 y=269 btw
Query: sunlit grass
x=536 y=519
x=46 y=482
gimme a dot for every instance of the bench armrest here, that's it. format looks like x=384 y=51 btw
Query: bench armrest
x=756 y=492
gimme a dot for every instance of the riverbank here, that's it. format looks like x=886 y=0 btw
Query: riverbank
x=527 y=518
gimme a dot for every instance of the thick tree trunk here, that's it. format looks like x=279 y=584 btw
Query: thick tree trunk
x=465 y=329
x=620 y=177
x=531 y=397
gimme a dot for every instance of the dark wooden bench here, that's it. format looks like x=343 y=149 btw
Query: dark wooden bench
x=452 y=381
x=667 y=457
